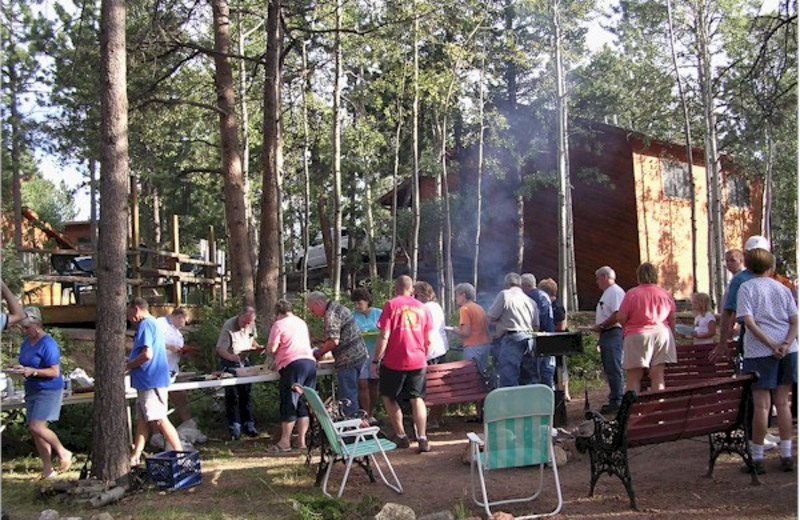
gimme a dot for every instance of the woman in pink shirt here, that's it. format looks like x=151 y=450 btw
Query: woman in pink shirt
x=647 y=315
x=290 y=345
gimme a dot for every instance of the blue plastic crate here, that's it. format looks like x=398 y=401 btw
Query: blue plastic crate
x=174 y=469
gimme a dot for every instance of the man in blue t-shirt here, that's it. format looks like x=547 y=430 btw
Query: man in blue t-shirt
x=728 y=314
x=538 y=369
x=149 y=372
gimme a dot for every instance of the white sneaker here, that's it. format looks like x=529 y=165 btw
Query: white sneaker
x=768 y=445
x=772 y=438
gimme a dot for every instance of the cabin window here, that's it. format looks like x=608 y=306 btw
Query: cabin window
x=738 y=192
x=675 y=179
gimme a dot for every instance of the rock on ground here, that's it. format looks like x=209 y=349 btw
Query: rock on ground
x=392 y=511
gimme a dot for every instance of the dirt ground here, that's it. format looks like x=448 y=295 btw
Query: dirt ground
x=669 y=481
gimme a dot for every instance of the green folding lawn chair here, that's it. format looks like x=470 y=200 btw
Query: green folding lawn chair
x=350 y=442
x=517 y=425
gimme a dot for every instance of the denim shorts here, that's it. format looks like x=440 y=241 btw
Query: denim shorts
x=365 y=368
x=44 y=405
x=772 y=372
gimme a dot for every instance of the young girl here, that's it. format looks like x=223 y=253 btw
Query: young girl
x=705 y=324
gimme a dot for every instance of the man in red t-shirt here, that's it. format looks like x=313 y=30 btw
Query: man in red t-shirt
x=401 y=350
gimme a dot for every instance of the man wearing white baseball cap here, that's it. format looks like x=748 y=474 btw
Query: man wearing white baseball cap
x=728 y=315
x=727 y=318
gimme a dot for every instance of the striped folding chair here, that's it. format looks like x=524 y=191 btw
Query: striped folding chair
x=517 y=432
x=350 y=442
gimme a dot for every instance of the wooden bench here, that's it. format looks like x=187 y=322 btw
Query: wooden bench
x=693 y=365
x=454 y=383
x=714 y=407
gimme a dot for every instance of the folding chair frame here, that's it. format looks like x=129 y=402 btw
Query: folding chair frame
x=480 y=449
x=362 y=443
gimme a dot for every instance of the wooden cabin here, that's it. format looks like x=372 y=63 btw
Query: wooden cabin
x=631 y=203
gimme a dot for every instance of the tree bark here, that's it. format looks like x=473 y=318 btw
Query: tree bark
x=93 y=201
x=268 y=259
x=16 y=145
x=415 y=146
x=336 y=271
x=566 y=262
x=110 y=424
x=306 y=176
x=241 y=265
x=479 y=187
x=716 y=232
x=687 y=129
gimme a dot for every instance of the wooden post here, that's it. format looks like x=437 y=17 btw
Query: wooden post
x=135 y=265
x=211 y=271
x=176 y=245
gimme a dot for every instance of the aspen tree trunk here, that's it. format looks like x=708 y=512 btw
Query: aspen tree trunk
x=16 y=168
x=440 y=129
x=93 y=202
x=395 y=178
x=415 y=148
x=716 y=232
x=479 y=187
x=110 y=448
x=235 y=213
x=766 y=194
x=687 y=130
x=245 y=152
x=336 y=274
x=268 y=259
x=373 y=259
x=564 y=274
x=306 y=177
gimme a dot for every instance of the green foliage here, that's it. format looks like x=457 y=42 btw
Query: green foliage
x=205 y=334
x=11 y=268
x=320 y=507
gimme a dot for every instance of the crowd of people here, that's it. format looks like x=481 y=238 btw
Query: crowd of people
x=381 y=354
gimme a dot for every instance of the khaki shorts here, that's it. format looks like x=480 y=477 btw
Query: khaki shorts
x=649 y=349
x=152 y=404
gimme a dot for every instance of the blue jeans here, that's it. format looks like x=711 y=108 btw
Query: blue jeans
x=513 y=347
x=479 y=353
x=611 y=356
x=347 y=378
x=238 y=404
x=538 y=370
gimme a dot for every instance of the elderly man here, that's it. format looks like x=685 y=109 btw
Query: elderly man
x=343 y=339
x=171 y=327
x=538 y=369
x=728 y=316
x=401 y=351
x=608 y=326
x=149 y=372
x=515 y=318
x=236 y=340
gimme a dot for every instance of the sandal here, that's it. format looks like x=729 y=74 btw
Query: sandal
x=66 y=463
x=278 y=449
x=53 y=473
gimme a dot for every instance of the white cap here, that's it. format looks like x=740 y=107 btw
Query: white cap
x=756 y=242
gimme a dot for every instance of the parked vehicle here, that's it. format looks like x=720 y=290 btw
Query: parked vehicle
x=318 y=260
